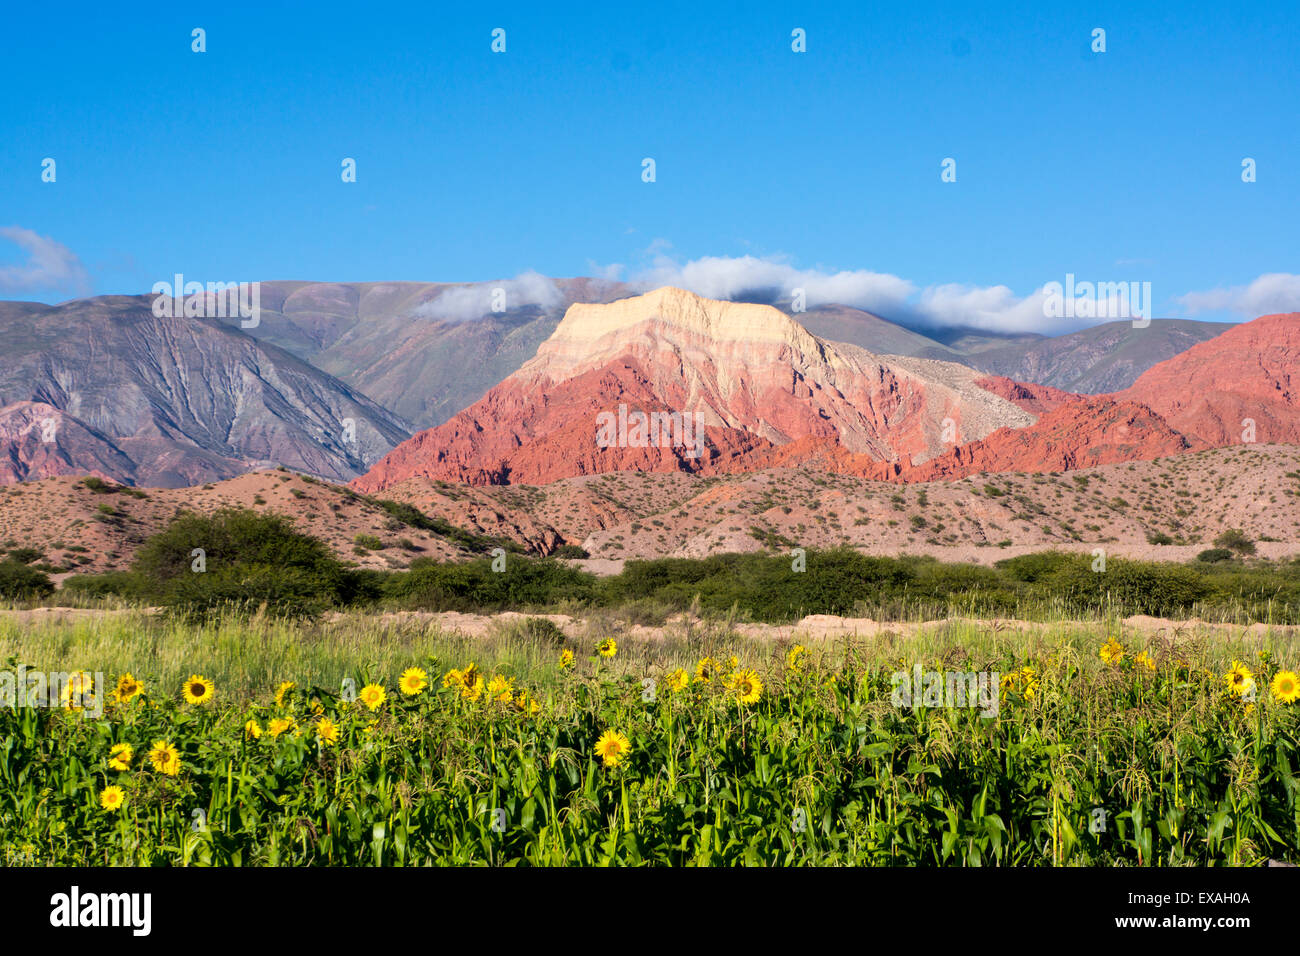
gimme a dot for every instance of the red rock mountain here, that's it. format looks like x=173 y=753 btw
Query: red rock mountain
x=1252 y=371
x=745 y=377
x=764 y=392
x=1084 y=433
x=1035 y=399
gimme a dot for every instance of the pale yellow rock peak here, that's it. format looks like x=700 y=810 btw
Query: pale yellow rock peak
x=713 y=319
x=734 y=334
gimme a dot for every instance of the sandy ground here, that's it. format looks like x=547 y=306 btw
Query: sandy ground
x=815 y=627
x=1187 y=500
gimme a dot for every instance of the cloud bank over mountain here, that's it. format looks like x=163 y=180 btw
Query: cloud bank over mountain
x=995 y=308
x=465 y=302
x=1270 y=294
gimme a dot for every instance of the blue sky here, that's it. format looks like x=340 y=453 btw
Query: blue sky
x=472 y=166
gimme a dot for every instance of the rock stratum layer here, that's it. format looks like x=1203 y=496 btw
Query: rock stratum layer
x=745 y=377
x=764 y=392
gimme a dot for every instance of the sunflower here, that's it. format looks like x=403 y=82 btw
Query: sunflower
x=706 y=670
x=453 y=678
x=611 y=747
x=566 y=659
x=279 y=725
x=198 y=689
x=526 y=704
x=471 y=683
x=165 y=758
x=127 y=688
x=747 y=687
x=413 y=681
x=794 y=658
x=79 y=690
x=1240 y=678
x=119 y=757
x=327 y=731
x=112 y=798
x=282 y=692
x=1112 y=652
x=252 y=729
x=678 y=680
x=1286 y=687
x=1146 y=660
x=607 y=648
x=372 y=695
x=1028 y=681
x=501 y=688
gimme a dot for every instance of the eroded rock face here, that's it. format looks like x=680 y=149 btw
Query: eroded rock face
x=1252 y=371
x=1078 y=434
x=185 y=400
x=748 y=377
x=38 y=440
x=1035 y=399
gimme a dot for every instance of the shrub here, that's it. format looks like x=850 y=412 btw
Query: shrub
x=123 y=584
x=542 y=630
x=18 y=581
x=99 y=485
x=570 y=551
x=249 y=558
x=1137 y=587
x=765 y=587
x=977 y=589
x=1037 y=566
x=413 y=517
x=1214 y=555
x=1236 y=540
x=473 y=585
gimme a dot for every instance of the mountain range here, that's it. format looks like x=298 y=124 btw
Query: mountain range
x=495 y=383
x=762 y=391
x=105 y=386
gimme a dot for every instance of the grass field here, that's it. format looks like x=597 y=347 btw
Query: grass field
x=696 y=747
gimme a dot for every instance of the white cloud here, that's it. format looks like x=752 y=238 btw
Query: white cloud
x=466 y=302
x=1270 y=293
x=723 y=277
x=50 y=265
x=991 y=308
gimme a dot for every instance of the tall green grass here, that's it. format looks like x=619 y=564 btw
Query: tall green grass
x=822 y=768
x=249 y=654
